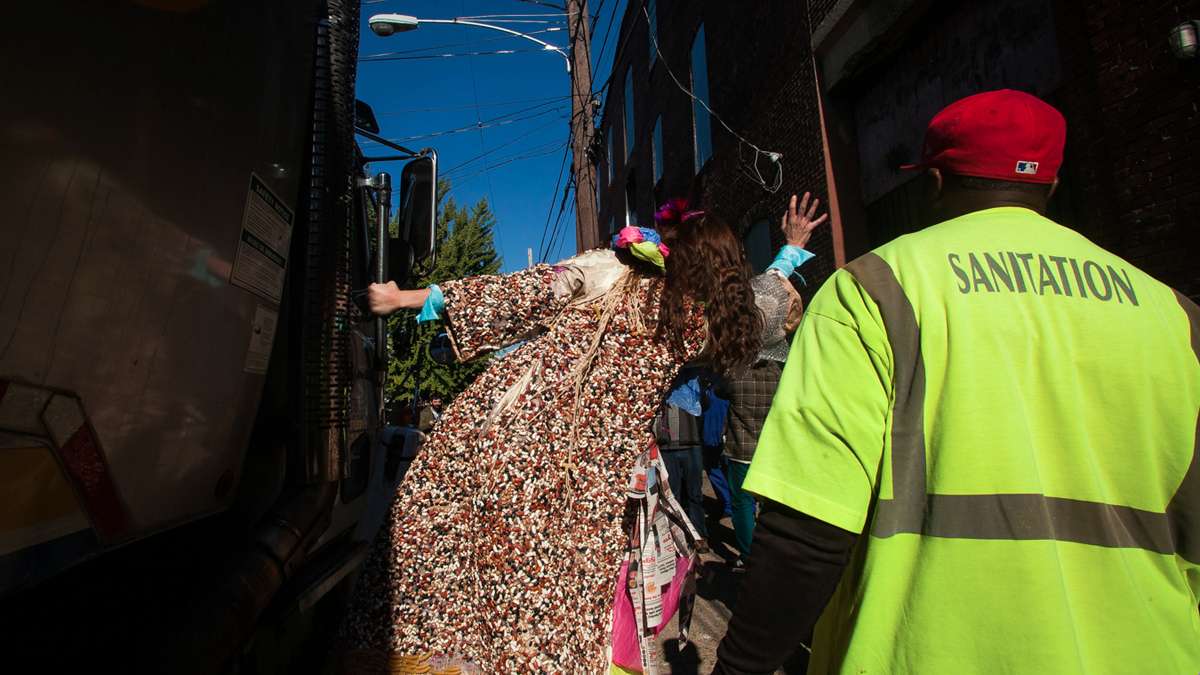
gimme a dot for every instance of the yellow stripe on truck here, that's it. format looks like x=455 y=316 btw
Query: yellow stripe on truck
x=37 y=503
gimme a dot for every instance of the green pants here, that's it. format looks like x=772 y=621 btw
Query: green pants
x=743 y=505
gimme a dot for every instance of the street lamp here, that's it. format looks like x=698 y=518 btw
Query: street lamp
x=1184 y=40
x=384 y=25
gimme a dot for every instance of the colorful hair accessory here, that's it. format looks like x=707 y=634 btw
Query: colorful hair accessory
x=643 y=243
x=675 y=211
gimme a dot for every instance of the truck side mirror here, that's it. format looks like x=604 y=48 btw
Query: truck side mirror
x=364 y=117
x=417 y=214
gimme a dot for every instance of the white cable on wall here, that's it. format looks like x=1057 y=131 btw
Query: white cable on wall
x=774 y=157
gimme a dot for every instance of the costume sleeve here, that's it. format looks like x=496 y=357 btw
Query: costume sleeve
x=789 y=259
x=434 y=305
x=823 y=441
x=780 y=306
x=775 y=295
x=490 y=312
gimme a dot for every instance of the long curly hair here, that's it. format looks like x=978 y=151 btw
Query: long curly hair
x=707 y=265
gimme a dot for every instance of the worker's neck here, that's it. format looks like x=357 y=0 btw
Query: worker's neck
x=953 y=205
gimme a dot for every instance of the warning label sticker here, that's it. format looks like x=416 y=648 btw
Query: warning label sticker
x=262 y=336
x=263 y=248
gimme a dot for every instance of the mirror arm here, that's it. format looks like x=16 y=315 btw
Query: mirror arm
x=386 y=158
x=408 y=154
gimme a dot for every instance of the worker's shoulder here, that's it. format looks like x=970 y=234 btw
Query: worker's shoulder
x=1192 y=310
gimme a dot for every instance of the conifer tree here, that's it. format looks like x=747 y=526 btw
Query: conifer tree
x=465 y=247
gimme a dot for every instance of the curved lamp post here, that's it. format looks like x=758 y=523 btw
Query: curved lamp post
x=389 y=24
x=384 y=25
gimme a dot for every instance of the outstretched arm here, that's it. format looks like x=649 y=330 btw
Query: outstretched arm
x=488 y=312
x=388 y=298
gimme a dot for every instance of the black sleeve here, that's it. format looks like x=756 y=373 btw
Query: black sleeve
x=795 y=564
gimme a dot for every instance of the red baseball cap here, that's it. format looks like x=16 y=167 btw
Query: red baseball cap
x=1003 y=134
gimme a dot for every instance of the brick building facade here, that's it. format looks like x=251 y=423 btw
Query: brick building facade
x=842 y=89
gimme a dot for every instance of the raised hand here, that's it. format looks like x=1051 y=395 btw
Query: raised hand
x=798 y=223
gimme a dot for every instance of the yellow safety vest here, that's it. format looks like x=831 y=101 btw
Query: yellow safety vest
x=1009 y=414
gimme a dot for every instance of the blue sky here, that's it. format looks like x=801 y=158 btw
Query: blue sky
x=520 y=100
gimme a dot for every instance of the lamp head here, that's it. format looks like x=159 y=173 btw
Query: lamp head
x=384 y=25
x=1184 y=40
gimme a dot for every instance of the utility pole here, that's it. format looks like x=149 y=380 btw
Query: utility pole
x=529 y=254
x=586 y=217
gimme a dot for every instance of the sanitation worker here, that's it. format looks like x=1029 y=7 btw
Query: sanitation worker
x=985 y=439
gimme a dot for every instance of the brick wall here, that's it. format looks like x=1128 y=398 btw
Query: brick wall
x=1135 y=134
x=760 y=82
x=1131 y=180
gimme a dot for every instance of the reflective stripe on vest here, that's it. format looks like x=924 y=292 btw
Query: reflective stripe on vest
x=914 y=510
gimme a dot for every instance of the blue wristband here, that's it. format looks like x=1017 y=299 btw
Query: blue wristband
x=434 y=305
x=789 y=258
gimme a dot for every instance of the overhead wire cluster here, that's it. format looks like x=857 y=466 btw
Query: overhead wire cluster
x=539 y=110
x=559 y=226
x=552 y=235
x=542 y=19
x=468 y=106
x=551 y=107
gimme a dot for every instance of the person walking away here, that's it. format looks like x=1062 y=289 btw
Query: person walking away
x=1003 y=416
x=503 y=546
x=679 y=440
x=712 y=433
x=750 y=393
x=426 y=417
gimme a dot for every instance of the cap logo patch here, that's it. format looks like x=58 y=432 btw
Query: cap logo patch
x=1027 y=168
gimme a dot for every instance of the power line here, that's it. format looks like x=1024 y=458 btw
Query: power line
x=567 y=226
x=500 y=121
x=510 y=160
x=596 y=19
x=469 y=106
x=558 y=222
x=502 y=145
x=554 y=235
x=498 y=38
x=428 y=57
x=548 y=17
x=544 y=4
x=612 y=71
x=542 y=246
x=482 y=142
x=607 y=32
x=499 y=16
x=534 y=151
x=557 y=183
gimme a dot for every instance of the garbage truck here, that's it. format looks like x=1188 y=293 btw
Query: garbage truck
x=190 y=385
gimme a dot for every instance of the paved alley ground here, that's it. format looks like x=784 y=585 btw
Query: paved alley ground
x=716 y=594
